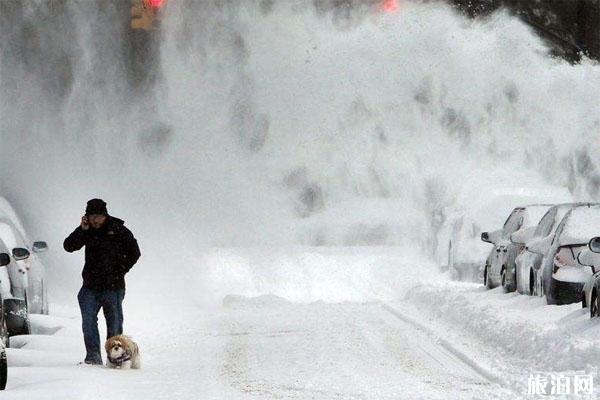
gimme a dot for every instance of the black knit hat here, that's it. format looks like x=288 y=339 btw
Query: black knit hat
x=96 y=206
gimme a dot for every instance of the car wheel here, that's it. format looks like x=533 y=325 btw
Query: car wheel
x=486 y=278
x=506 y=285
x=549 y=292
x=593 y=305
x=26 y=329
x=3 y=369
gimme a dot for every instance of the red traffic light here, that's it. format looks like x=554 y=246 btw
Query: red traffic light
x=155 y=3
x=390 y=5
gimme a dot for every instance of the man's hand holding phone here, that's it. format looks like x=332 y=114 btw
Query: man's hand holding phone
x=85 y=224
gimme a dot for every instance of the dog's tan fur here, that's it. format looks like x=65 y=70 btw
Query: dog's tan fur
x=116 y=345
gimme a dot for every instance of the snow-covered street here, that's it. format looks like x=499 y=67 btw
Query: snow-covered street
x=435 y=340
x=264 y=347
x=291 y=196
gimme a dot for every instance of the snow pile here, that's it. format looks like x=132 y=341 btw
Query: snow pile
x=265 y=300
x=46 y=365
x=532 y=336
x=309 y=274
x=573 y=273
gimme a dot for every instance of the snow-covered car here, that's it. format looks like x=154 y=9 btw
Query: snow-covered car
x=562 y=275
x=590 y=257
x=34 y=276
x=13 y=288
x=529 y=217
x=4 y=261
x=527 y=262
x=4 y=293
x=3 y=367
x=494 y=271
x=459 y=245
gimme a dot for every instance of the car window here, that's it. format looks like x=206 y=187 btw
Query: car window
x=546 y=223
x=514 y=221
x=4 y=247
x=560 y=227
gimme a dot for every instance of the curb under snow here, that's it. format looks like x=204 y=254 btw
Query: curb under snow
x=522 y=328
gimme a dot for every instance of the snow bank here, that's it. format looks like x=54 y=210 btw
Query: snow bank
x=532 y=336
x=308 y=274
x=573 y=273
x=265 y=300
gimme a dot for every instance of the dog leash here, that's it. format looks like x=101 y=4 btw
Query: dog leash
x=120 y=360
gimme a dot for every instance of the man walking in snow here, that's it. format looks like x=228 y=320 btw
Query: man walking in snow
x=110 y=252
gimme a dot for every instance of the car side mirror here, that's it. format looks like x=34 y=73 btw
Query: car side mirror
x=4 y=259
x=485 y=237
x=39 y=247
x=594 y=244
x=492 y=237
x=19 y=253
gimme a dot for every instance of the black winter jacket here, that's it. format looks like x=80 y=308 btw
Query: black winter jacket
x=110 y=252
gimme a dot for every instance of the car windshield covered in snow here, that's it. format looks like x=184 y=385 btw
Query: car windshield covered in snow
x=514 y=221
x=533 y=214
x=580 y=225
x=551 y=219
x=524 y=217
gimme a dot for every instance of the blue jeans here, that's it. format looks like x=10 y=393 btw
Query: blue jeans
x=90 y=302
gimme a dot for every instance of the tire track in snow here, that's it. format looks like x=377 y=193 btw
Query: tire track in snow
x=343 y=351
x=461 y=360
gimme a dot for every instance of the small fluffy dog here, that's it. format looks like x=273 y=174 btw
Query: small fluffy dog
x=122 y=352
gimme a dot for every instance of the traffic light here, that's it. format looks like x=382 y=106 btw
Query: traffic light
x=145 y=14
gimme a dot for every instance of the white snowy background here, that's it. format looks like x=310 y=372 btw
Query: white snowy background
x=282 y=178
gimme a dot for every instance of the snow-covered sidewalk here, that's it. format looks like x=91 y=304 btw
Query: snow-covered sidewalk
x=176 y=360
x=513 y=336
